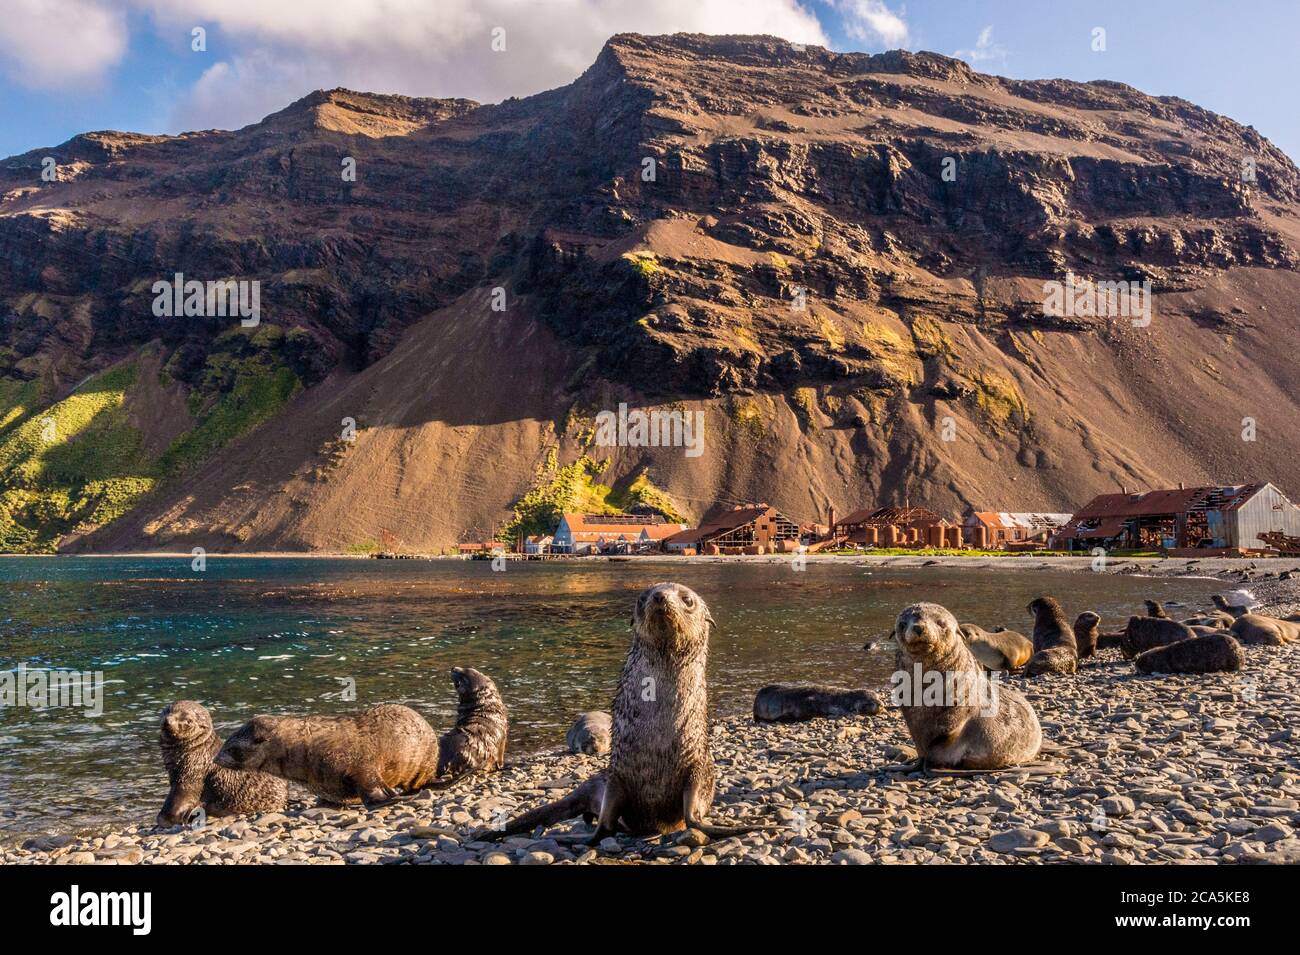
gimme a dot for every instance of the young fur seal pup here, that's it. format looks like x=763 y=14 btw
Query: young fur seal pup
x=1217 y=653
x=188 y=744
x=660 y=775
x=477 y=743
x=590 y=733
x=997 y=649
x=978 y=726
x=797 y=702
x=1147 y=633
x=1156 y=609
x=1086 y=633
x=371 y=756
x=1054 y=648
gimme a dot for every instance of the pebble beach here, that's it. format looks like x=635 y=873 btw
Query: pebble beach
x=1143 y=769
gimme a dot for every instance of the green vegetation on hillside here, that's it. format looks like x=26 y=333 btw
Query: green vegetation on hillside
x=241 y=388
x=80 y=463
x=77 y=464
x=573 y=488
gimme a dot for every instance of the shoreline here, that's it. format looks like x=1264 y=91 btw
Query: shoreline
x=1197 y=769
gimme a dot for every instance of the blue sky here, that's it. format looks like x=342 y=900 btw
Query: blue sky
x=67 y=66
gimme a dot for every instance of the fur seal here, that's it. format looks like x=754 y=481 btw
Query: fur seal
x=1257 y=628
x=189 y=743
x=661 y=775
x=1147 y=633
x=477 y=743
x=1216 y=653
x=997 y=649
x=1156 y=609
x=1086 y=633
x=1054 y=648
x=797 y=702
x=1214 y=619
x=1236 y=602
x=590 y=733
x=370 y=756
x=980 y=725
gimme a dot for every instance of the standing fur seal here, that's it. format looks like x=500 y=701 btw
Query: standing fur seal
x=188 y=744
x=1236 y=603
x=370 y=756
x=477 y=743
x=997 y=649
x=1147 y=633
x=1054 y=649
x=978 y=726
x=1256 y=628
x=590 y=733
x=1086 y=633
x=1217 y=653
x=661 y=774
x=796 y=702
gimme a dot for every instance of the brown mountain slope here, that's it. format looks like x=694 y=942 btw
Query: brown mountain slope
x=774 y=170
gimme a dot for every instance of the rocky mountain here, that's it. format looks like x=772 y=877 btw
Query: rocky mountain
x=837 y=259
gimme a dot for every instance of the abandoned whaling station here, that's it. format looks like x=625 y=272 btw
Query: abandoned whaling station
x=1256 y=520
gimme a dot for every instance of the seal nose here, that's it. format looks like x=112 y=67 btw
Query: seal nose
x=659 y=596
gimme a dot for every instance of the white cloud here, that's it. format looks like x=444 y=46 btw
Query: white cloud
x=871 y=21
x=60 y=44
x=985 y=49
x=265 y=53
x=278 y=50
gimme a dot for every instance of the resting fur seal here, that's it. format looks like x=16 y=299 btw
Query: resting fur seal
x=1086 y=633
x=997 y=649
x=477 y=743
x=1054 y=649
x=188 y=744
x=1256 y=628
x=979 y=726
x=1147 y=633
x=796 y=702
x=590 y=733
x=661 y=775
x=1217 y=653
x=1215 y=619
x=370 y=756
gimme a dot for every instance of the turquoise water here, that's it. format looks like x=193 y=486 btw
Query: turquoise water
x=280 y=635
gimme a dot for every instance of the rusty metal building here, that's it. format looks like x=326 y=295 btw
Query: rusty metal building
x=1227 y=517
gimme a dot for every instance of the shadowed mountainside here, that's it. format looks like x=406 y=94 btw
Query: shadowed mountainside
x=652 y=226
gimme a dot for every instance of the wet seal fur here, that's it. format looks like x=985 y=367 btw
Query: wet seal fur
x=962 y=736
x=1086 y=633
x=797 y=702
x=661 y=775
x=1147 y=633
x=997 y=649
x=189 y=744
x=1216 y=653
x=372 y=756
x=590 y=733
x=477 y=743
x=1054 y=648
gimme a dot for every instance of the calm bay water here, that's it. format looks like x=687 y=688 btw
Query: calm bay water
x=280 y=635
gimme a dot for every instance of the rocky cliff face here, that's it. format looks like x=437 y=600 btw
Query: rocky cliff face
x=839 y=259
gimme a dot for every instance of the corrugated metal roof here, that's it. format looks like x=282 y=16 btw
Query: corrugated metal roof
x=1167 y=501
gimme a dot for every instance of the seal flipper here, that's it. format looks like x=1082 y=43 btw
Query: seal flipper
x=587 y=799
x=692 y=812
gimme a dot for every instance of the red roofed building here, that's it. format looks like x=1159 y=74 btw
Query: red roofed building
x=746 y=528
x=602 y=533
